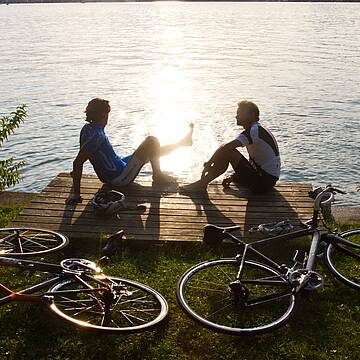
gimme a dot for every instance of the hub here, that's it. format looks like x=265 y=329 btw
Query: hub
x=238 y=292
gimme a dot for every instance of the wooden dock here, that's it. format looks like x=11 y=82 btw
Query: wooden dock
x=169 y=216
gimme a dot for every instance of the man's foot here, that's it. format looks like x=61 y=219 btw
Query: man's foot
x=188 y=140
x=164 y=178
x=197 y=186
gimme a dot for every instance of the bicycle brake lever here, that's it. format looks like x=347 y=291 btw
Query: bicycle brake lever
x=340 y=191
x=334 y=190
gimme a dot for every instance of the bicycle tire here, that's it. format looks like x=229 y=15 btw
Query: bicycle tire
x=336 y=254
x=27 y=241
x=192 y=307
x=88 y=318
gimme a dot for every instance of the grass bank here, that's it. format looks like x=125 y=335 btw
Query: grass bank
x=325 y=326
x=8 y=213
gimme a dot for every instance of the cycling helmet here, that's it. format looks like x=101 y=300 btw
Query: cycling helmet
x=108 y=202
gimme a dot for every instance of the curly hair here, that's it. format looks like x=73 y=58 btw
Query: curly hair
x=95 y=108
x=252 y=108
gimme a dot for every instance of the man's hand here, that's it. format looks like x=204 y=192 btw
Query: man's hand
x=73 y=199
x=227 y=181
x=76 y=174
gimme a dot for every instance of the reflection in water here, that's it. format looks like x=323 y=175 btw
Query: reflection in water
x=163 y=65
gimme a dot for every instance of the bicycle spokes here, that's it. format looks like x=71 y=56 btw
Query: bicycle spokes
x=117 y=306
x=260 y=297
x=27 y=241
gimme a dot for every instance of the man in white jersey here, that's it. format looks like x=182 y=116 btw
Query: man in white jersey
x=260 y=172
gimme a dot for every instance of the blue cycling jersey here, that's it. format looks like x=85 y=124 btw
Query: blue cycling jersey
x=107 y=164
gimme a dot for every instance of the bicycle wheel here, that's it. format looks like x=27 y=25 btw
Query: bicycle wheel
x=261 y=302
x=88 y=304
x=343 y=258
x=30 y=241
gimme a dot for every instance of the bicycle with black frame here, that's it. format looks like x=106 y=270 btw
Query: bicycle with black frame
x=250 y=296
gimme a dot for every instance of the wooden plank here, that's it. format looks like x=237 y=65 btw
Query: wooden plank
x=169 y=216
x=89 y=181
x=187 y=209
x=87 y=176
x=165 y=216
x=164 y=222
x=186 y=203
x=93 y=178
x=63 y=193
x=212 y=189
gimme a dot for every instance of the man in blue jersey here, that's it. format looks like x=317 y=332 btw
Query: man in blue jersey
x=260 y=172
x=110 y=167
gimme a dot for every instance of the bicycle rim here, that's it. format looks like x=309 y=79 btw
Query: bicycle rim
x=134 y=308
x=266 y=302
x=30 y=241
x=343 y=259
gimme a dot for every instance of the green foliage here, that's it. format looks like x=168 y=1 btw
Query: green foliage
x=7 y=214
x=10 y=168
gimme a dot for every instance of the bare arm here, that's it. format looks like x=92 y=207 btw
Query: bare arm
x=233 y=145
x=228 y=146
x=78 y=163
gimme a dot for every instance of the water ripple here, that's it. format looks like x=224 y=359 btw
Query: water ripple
x=163 y=65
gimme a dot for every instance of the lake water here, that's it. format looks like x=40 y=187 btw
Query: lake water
x=163 y=65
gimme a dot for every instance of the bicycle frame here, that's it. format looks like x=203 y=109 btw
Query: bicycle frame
x=23 y=295
x=316 y=237
x=56 y=270
x=311 y=229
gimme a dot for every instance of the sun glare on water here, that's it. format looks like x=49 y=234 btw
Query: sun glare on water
x=171 y=95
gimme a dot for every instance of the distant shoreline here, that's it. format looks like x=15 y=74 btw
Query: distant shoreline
x=2 y=2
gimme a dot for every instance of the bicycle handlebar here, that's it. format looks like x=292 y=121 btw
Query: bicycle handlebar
x=319 y=193
x=318 y=200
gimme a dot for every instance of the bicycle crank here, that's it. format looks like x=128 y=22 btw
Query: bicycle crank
x=306 y=279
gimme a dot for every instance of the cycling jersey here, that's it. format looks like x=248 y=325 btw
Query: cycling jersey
x=107 y=164
x=262 y=148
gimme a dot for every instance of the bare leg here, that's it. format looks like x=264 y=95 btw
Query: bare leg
x=186 y=141
x=150 y=151
x=215 y=167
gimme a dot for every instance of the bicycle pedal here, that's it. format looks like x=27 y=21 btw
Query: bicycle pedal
x=114 y=244
x=315 y=282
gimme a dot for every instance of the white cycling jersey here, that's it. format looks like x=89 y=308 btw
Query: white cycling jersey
x=262 y=148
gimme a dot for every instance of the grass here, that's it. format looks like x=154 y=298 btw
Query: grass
x=8 y=213
x=324 y=327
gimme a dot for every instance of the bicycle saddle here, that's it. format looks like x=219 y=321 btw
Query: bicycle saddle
x=214 y=235
x=113 y=245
